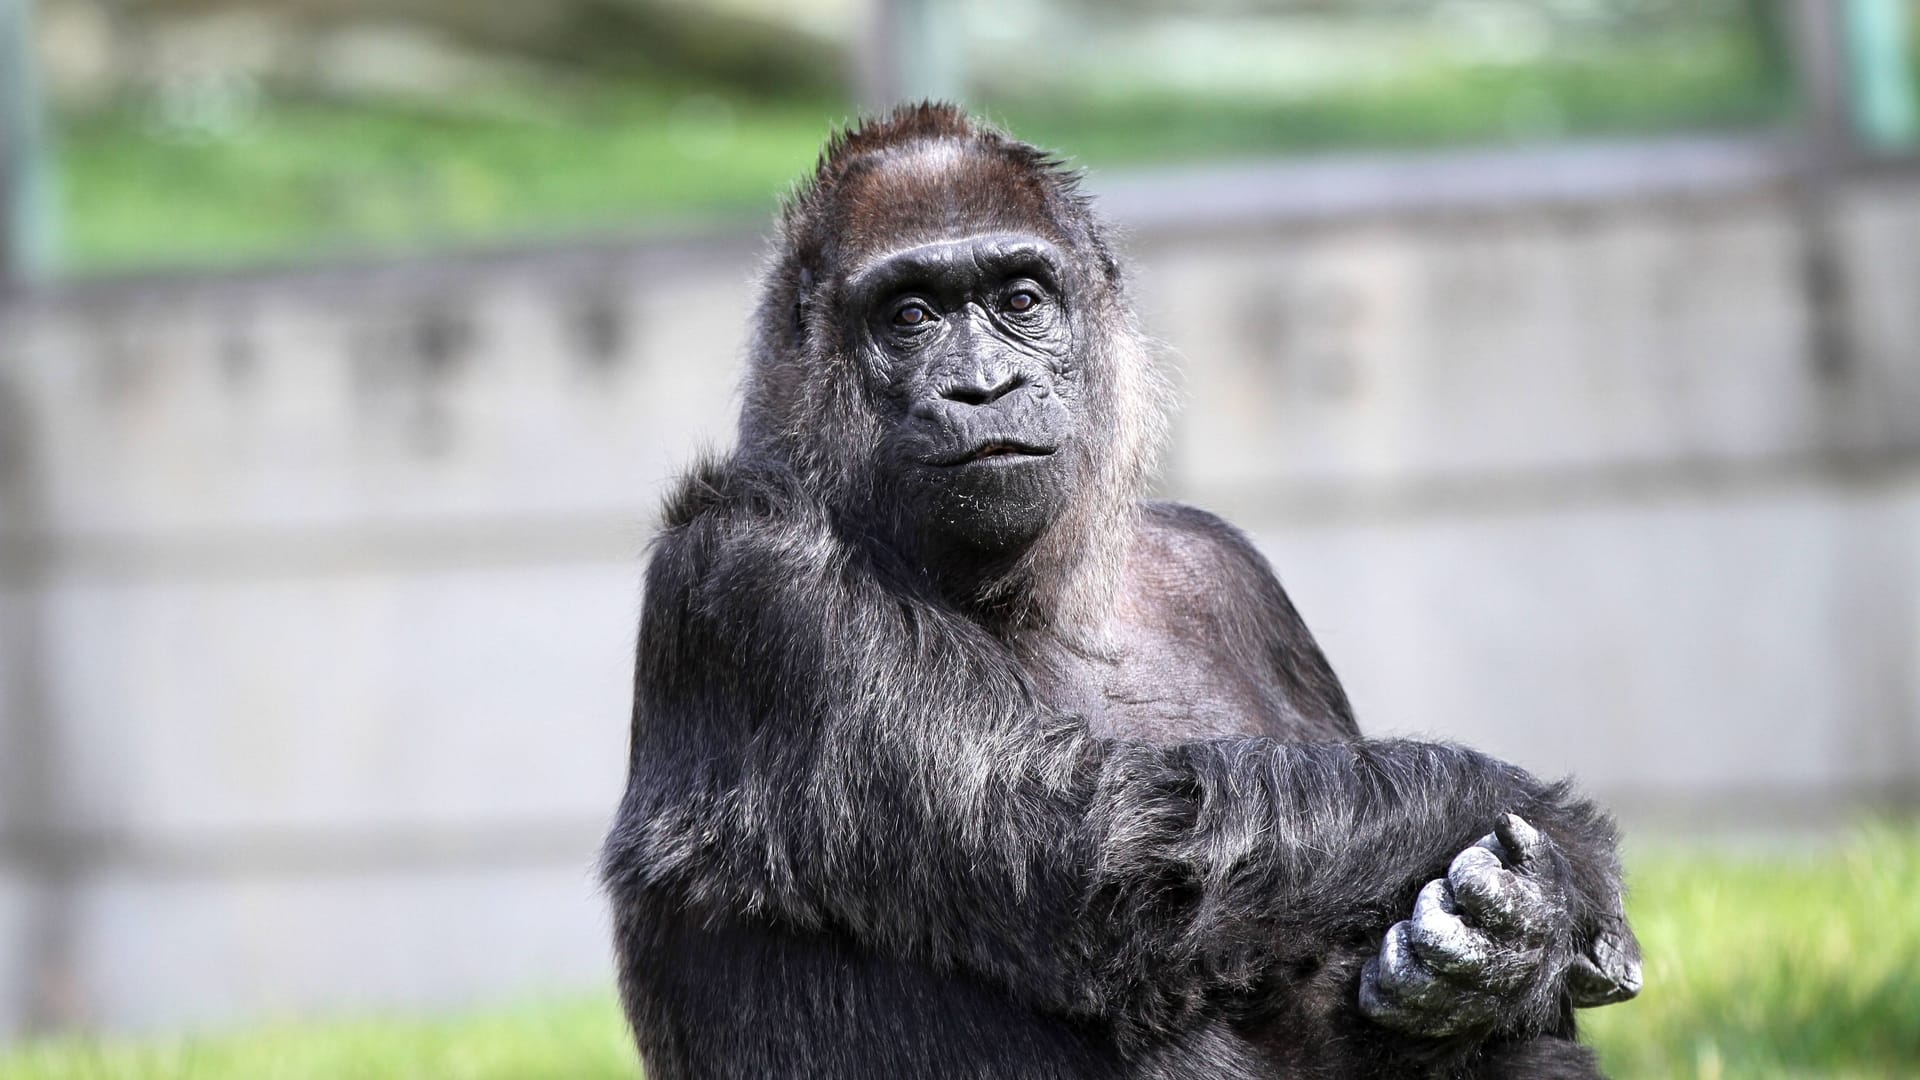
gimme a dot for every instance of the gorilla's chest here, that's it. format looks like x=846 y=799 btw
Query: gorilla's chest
x=1163 y=681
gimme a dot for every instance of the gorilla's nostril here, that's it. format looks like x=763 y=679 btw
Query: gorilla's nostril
x=984 y=391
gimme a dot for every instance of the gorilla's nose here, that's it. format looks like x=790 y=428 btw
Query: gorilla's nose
x=982 y=387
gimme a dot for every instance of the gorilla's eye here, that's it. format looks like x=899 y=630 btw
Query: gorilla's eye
x=1021 y=300
x=911 y=315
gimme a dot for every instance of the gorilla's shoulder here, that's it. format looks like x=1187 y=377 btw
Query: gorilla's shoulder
x=734 y=485
x=1209 y=569
x=1203 y=549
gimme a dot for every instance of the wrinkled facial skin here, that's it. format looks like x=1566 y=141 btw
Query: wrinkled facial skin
x=969 y=341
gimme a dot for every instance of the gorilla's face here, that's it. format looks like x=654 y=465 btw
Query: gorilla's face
x=970 y=340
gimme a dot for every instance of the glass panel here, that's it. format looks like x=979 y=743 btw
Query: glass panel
x=217 y=132
x=1881 y=50
x=226 y=131
x=1211 y=78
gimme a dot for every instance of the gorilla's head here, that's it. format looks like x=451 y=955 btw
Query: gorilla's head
x=945 y=349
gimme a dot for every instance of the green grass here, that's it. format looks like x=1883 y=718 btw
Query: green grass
x=1778 y=966
x=1783 y=964
x=239 y=179
x=583 y=1040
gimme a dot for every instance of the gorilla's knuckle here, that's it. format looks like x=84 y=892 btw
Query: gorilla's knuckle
x=1475 y=861
x=1443 y=941
x=1401 y=974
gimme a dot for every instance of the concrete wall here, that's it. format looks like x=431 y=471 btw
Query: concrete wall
x=319 y=586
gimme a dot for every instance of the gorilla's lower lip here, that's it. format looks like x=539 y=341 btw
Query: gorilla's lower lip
x=997 y=449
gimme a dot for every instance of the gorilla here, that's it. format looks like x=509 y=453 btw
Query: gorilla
x=952 y=756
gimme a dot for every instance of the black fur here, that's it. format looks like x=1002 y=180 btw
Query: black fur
x=1086 y=802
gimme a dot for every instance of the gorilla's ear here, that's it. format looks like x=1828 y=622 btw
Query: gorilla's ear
x=800 y=295
x=1109 y=262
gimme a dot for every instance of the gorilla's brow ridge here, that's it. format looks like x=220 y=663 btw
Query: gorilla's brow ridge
x=937 y=258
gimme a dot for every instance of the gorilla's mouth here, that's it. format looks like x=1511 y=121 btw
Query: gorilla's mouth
x=997 y=449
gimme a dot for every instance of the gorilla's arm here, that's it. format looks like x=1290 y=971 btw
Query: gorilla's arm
x=812 y=748
x=1501 y=915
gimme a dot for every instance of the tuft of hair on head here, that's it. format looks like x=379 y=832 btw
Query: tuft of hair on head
x=902 y=124
x=851 y=148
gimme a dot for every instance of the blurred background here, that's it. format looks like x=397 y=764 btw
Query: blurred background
x=1564 y=356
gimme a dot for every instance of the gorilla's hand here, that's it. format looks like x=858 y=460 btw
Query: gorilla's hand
x=1608 y=971
x=1496 y=931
